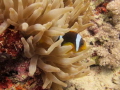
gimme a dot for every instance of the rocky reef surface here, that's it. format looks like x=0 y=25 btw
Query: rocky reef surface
x=104 y=37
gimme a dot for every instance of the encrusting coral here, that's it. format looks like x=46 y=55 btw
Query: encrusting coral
x=107 y=39
x=41 y=22
x=106 y=46
x=105 y=36
x=114 y=6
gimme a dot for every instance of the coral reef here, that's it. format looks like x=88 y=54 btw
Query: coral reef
x=39 y=60
x=104 y=36
x=106 y=39
x=41 y=22
x=107 y=46
x=114 y=7
x=10 y=50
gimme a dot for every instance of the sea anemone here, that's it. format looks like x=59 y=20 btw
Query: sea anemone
x=41 y=22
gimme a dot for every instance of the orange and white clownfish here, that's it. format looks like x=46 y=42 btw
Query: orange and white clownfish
x=75 y=40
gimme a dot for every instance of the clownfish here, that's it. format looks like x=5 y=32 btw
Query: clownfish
x=75 y=40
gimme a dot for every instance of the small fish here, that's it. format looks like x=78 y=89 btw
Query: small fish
x=75 y=40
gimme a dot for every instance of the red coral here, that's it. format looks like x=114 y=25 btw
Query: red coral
x=7 y=83
x=11 y=48
x=101 y=8
x=10 y=42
